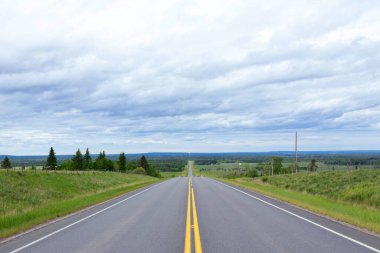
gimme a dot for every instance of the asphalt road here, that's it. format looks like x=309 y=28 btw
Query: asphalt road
x=154 y=219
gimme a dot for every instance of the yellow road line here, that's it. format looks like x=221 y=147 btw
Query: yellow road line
x=188 y=225
x=197 y=237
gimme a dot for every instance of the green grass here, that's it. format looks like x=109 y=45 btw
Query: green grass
x=223 y=174
x=170 y=174
x=349 y=196
x=303 y=164
x=186 y=171
x=327 y=167
x=29 y=198
x=227 y=166
x=360 y=187
x=195 y=169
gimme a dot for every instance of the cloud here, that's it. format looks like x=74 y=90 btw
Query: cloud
x=188 y=76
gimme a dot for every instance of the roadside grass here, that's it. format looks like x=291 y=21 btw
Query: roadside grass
x=28 y=198
x=195 y=169
x=348 y=196
x=170 y=174
x=328 y=167
x=186 y=171
x=227 y=166
x=356 y=186
x=303 y=165
x=223 y=173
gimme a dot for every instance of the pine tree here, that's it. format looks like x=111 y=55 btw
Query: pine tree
x=313 y=165
x=102 y=155
x=102 y=163
x=77 y=160
x=277 y=164
x=143 y=163
x=98 y=162
x=122 y=162
x=87 y=160
x=6 y=163
x=151 y=171
x=51 y=162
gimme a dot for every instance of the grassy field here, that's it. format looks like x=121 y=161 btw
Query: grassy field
x=303 y=164
x=223 y=173
x=173 y=174
x=359 y=187
x=29 y=198
x=195 y=169
x=227 y=166
x=349 y=196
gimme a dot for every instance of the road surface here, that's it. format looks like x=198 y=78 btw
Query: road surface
x=194 y=214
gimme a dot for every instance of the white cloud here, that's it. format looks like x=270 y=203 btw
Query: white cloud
x=189 y=76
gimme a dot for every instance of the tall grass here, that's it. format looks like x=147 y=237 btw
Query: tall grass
x=170 y=174
x=349 y=196
x=356 y=186
x=28 y=198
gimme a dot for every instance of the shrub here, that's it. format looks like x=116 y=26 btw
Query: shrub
x=252 y=173
x=138 y=170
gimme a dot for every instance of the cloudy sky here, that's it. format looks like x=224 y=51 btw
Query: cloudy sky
x=192 y=76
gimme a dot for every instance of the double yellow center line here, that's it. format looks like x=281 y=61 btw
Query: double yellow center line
x=195 y=226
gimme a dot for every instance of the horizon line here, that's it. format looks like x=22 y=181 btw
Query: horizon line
x=237 y=152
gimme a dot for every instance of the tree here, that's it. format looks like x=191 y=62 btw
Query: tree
x=6 y=163
x=288 y=169
x=102 y=163
x=109 y=165
x=150 y=170
x=99 y=162
x=51 y=162
x=131 y=165
x=277 y=164
x=122 y=162
x=313 y=165
x=252 y=173
x=87 y=160
x=143 y=163
x=77 y=161
x=266 y=169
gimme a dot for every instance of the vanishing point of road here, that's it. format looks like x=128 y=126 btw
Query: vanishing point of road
x=194 y=214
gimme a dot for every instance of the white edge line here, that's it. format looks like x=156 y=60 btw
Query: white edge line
x=302 y=218
x=83 y=219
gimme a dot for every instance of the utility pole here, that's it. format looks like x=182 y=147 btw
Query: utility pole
x=296 y=154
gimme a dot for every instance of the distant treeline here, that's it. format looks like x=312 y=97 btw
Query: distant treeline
x=85 y=162
x=342 y=159
x=164 y=163
x=176 y=161
x=352 y=160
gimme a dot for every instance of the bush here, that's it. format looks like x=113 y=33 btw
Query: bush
x=138 y=170
x=233 y=174
x=252 y=173
x=264 y=179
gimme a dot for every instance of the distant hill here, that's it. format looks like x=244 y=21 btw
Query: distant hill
x=220 y=154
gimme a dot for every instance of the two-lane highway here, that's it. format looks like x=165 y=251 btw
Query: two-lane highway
x=231 y=221
x=152 y=221
x=169 y=216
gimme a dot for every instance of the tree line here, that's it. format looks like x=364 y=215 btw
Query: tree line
x=80 y=162
x=276 y=167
